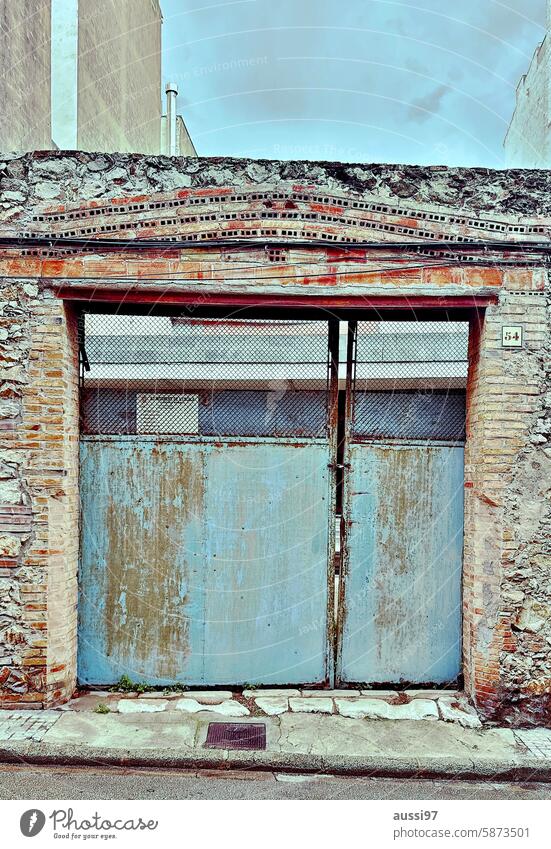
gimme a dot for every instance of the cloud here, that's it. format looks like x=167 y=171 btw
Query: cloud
x=424 y=107
x=256 y=75
x=417 y=67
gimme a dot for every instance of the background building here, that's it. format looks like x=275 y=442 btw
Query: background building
x=528 y=139
x=25 y=75
x=84 y=75
x=119 y=75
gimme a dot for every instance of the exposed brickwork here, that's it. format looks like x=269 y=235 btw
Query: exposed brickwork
x=507 y=589
x=505 y=508
x=525 y=670
x=38 y=484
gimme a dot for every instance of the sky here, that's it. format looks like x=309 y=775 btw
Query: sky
x=416 y=81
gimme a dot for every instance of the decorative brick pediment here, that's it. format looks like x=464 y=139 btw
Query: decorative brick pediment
x=288 y=212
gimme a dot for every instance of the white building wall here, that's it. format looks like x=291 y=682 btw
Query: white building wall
x=64 y=62
x=528 y=140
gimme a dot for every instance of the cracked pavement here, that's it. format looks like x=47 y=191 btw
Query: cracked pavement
x=320 y=742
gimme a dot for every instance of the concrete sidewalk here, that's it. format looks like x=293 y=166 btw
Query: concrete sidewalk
x=324 y=743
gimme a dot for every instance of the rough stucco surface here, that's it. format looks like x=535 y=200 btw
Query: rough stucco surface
x=508 y=590
x=528 y=140
x=74 y=177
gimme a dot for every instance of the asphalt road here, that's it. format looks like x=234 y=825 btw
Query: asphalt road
x=72 y=783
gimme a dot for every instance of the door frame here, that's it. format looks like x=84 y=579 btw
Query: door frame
x=346 y=308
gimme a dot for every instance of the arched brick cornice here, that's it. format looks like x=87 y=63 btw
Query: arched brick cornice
x=289 y=212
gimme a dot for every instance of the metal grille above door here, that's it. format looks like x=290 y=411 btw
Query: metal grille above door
x=211 y=377
x=409 y=380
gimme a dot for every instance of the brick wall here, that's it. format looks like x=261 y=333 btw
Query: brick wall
x=507 y=589
x=38 y=496
x=524 y=689
x=507 y=521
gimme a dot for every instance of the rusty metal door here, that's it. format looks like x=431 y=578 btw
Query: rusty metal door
x=400 y=582
x=207 y=489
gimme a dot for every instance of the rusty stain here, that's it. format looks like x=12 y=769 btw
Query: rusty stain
x=203 y=562
x=145 y=565
x=137 y=508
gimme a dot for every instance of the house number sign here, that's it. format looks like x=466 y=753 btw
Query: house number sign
x=511 y=336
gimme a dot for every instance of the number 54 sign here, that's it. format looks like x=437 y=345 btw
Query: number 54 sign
x=511 y=336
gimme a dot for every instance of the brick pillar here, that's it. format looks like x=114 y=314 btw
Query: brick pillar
x=507 y=590
x=38 y=497
x=483 y=520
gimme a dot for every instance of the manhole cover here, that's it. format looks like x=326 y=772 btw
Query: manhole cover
x=236 y=735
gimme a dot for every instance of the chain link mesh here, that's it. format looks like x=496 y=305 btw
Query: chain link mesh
x=212 y=377
x=410 y=380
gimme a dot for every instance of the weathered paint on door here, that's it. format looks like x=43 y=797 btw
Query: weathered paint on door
x=204 y=562
x=401 y=593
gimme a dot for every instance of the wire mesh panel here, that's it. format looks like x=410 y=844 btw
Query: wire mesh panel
x=211 y=377
x=409 y=380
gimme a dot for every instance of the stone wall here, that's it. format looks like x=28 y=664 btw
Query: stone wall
x=507 y=588
x=69 y=178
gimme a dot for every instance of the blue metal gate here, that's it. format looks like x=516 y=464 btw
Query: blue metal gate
x=400 y=583
x=207 y=488
x=212 y=469
x=204 y=563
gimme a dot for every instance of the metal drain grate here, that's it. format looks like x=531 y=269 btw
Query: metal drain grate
x=236 y=735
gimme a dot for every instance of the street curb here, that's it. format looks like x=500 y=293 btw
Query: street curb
x=40 y=754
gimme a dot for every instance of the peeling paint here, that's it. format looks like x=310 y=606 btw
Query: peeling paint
x=402 y=578
x=202 y=562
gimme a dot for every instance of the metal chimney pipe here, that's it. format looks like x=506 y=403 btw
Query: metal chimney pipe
x=171 y=90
